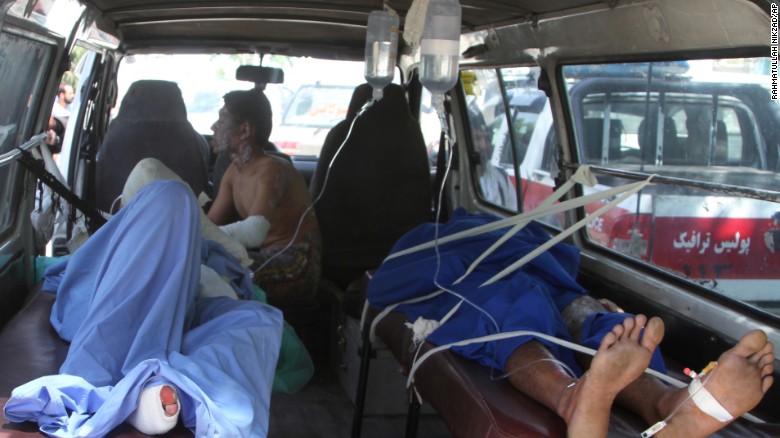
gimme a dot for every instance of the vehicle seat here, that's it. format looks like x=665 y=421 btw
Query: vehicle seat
x=152 y=123
x=720 y=156
x=593 y=129
x=648 y=140
x=378 y=187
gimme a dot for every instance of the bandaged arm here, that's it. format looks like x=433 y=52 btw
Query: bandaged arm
x=250 y=232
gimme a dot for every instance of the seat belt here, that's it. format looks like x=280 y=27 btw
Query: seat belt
x=37 y=167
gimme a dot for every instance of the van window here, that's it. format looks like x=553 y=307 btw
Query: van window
x=23 y=63
x=711 y=126
x=496 y=100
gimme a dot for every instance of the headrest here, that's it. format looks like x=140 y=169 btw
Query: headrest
x=153 y=100
x=360 y=96
x=392 y=104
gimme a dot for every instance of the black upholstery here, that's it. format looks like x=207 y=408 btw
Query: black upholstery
x=378 y=187
x=593 y=135
x=152 y=122
x=648 y=140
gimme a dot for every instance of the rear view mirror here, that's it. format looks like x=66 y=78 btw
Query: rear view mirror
x=260 y=75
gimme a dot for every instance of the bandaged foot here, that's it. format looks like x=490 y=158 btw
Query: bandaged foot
x=737 y=384
x=152 y=169
x=250 y=232
x=157 y=411
x=621 y=358
x=212 y=285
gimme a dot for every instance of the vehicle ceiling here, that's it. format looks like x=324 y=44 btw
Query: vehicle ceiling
x=320 y=28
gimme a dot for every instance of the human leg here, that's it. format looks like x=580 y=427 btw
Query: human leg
x=585 y=404
x=158 y=410
x=654 y=400
x=739 y=381
x=149 y=170
x=132 y=298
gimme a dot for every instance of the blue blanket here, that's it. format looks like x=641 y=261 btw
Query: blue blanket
x=531 y=298
x=127 y=302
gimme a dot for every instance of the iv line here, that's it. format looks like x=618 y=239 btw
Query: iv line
x=365 y=107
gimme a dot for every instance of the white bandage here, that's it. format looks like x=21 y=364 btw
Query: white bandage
x=250 y=232
x=152 y=169
x=149 y=417
x=706 y=403
x=212 y=285
x=422 y=328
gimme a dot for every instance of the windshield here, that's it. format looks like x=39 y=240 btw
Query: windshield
x=313 y=97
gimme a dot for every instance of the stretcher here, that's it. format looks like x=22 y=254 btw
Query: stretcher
x=30 y=348
x=472 y=404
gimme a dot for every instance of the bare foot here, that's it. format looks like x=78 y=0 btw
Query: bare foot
x=620 y=359
x=739 y=381
x=169 y=401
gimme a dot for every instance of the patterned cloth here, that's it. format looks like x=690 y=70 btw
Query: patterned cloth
x=290 y=277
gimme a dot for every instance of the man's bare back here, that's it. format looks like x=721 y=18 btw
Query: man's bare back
x=268 y=186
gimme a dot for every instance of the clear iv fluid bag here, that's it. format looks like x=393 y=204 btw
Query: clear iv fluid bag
x=440 y=46
x=381 y=48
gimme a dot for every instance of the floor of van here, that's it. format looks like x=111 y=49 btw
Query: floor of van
x=323 y=409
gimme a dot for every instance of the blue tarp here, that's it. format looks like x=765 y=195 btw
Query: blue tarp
x=127 y=302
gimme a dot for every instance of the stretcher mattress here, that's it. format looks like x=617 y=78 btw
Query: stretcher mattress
x=30 y=348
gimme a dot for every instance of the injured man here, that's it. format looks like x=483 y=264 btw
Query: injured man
x=544 y=297
x=161 y=328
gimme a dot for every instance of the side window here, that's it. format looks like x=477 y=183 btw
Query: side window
x=710 y=131
x=23 y=63
x=492 y=157
x=510 y=122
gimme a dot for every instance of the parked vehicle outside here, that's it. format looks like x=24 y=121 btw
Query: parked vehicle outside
x=674 y=125
x=308 y=117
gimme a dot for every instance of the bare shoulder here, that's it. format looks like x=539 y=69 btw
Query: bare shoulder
x=271 y=166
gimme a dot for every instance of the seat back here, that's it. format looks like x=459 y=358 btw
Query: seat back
x=593 y=136
x=673 y=152
x=378 y=187
x=152 y=123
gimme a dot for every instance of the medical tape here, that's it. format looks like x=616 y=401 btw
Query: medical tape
x=516 y=333
x=537 y=213
x=548 y=207
x=704 y=400
x=568 y=232
x=583 y=175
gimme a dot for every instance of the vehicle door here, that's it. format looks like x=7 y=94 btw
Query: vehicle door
x=29 y=55
x=35 y=60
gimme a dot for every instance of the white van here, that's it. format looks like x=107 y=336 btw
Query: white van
x=675 y=99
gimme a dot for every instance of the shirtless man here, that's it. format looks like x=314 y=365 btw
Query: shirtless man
x=264 y=202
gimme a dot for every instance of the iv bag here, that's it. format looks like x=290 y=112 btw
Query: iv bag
x=440 y=46
x=381 y=47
